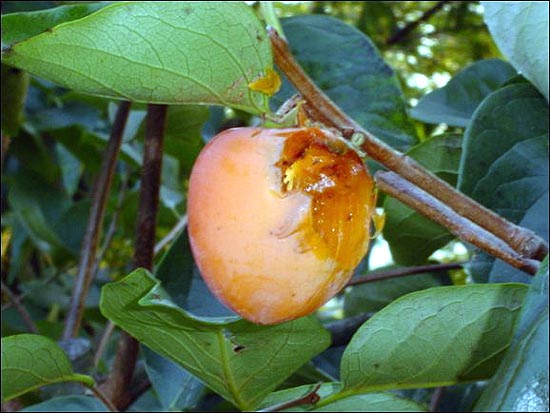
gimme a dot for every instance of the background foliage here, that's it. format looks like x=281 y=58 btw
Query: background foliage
x=446 y=82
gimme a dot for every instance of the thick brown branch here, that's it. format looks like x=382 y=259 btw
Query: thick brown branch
x=322 y=109
x=88 y=250
x=464 y=229
x=118 y=383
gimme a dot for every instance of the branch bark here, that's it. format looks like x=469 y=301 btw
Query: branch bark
x=117 y=385
x=321 y=108
x=400 y=272
x=88 y=252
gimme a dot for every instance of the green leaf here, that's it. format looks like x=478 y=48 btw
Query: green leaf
x=15 y=83
x=68 y=404
x=17 y=27
x=411 y=236
x=175 y=387
x=521 y=382
x=333 y=401
x=157 y=52
x=434 y=337
x=38 y=205
x=520 y=31
x=372 y=402
x=455 y=103
x=373 y=297
x=30 y=361
x=241 y=361
x=345 y=64
x=504 y=163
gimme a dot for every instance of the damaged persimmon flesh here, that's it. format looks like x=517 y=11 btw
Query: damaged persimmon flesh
x=278 y=219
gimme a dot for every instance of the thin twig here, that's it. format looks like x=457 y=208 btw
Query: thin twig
x=182 y=223
x=117 y=385
x=402 y=33
x=88 y=250
x=461 y=227
x=14 y=299
x=401 y=272
x=103 y=341
x=322 y=109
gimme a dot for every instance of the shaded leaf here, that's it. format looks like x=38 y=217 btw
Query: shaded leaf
x=68 y=404
x=455 y=103
x=520 y=31
x=176 y=388
x=504 y=163
x=345 y=64
x=373 y=297
x=434 y=337
x=521 y=382
x=14 y=90
x=411 y=236
x=30 y=361
x=157 y=52
x=241 y=361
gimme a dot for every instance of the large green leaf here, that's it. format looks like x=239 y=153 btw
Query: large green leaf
x=160 y=52
x=434 y=337
x=455 y=103
x=520 y=30
x=241 y=361
x=521 y=382
x=30 y=361
x=504 y=162
x=346 y=65
x=411 y=236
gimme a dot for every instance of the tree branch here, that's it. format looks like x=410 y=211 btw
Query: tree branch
x=400 y=272
x=322 y=109
x=402 y=33
x=118 y=383
x=16 y=302
x=88 y=250
x=439 y=212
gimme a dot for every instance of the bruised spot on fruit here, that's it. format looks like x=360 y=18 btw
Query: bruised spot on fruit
x=334 y=177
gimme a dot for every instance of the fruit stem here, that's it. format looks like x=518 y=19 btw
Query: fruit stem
x=522 y=241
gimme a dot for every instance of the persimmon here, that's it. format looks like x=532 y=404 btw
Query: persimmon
x=278 y=219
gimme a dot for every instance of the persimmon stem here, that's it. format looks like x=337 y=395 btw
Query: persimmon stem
x=88 y=251
x=523 y=241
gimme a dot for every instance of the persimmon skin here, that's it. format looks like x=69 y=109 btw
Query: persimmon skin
x=278 y=219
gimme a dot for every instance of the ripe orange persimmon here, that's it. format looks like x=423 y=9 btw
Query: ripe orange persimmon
x=278 y=219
